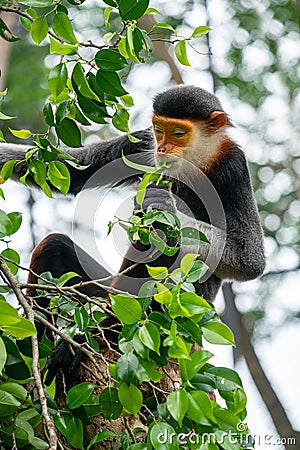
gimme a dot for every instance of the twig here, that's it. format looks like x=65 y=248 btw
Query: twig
x=35 y=354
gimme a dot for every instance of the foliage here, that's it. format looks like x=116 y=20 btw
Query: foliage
x=167 y=317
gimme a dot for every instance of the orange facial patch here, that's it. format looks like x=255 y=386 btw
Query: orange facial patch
x=172 y=135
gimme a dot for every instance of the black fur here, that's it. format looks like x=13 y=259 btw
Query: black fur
x=183 y=102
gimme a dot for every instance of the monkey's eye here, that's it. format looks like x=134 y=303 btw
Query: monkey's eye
x=179 y=132
x=158 y=129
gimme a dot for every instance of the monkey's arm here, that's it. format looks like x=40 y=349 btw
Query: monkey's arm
x=237 y=251
x=95 y=156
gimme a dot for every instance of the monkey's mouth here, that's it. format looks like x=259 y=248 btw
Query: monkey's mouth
x=172 y=161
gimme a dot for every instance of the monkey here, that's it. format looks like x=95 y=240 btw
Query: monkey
x=190 y=131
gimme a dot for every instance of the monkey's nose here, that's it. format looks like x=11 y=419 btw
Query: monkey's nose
x=162 y=149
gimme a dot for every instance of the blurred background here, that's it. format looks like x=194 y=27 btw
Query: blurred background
x=250 y=59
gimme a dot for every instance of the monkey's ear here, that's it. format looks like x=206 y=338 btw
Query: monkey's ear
x=218 y=119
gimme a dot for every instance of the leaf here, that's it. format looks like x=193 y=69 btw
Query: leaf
x=78 y=78
x=8 y=314
x=140 y=167
x=218 y=333
x=132 y=9
x=110 y=60
x=37 y=3
x=69 y=133
x=197 y=361
x=177 y=404
x=62 y=49
x=131 y=398
x=38 y=170
x=14 y=256
x=22 y=329
x=79 y=394
x=200 y=408
x=150 y=337
x=165 y=26
x=99 y=437
x=109 y=404
x=147 y=371
x=163 y=437
x=5 y=117
x=39 y=29
x=194 y=303
x=57 y=79
x=158 y=273
x=187 y=262
x=8 y=404
x=3 y=356
x=226 y=379
x=192 y=236
x=120 y=120
x=21 y=134
x=48 y=114
x=81 y=318
x=6 y=34
x=59 y=175
x=200 y=31
x=126 y=368
x=180 y=53
x=7 y=169
x=109 y=82
x=127 y=309
x=62 y=27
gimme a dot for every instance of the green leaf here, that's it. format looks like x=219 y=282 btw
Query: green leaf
x=194 y=303
x=180 y=53
x=71 y=428
x=62 y=49
x=120 y=120
x=187 y=262
x=79 y=80
x=14 y=256
x=132 y=9
x=57 y=79
x=8 y=314
x=177 y=404
x=22 y=329
x=158 y=273
x=226 y=379
x=147 y=371
x=163 y=437
x=81 y=318
x=198 y=269
x=21 y=134
x=218 y=333
x=165 y=26
x=5 y=117
x=131 y=398
x=150 y=337
x=8 y=404
x=59 y=176
x=39 y=29
x=109 y=82
x=109 y=404
x=37 y=3
x=48 y=114
x=197 y=361
x=140 y=167
x=164 y=295
x=110 y=60
x=5 y=224
x=69 y=133
x=38 y=170
x=99 y=437
x=3 y=356
x=200 y=31
x=200 y=408
x=7 y=169
x=6 y=34
x=127 y=309
x=192 y=236
x=126 y=368
x=62 y=27
x=79 y=394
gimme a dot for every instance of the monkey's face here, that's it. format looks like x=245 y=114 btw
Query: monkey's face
x=194 y=140
x=173 y=138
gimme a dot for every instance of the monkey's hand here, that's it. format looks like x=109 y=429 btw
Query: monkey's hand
x=63 y=359
x=159 y=197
